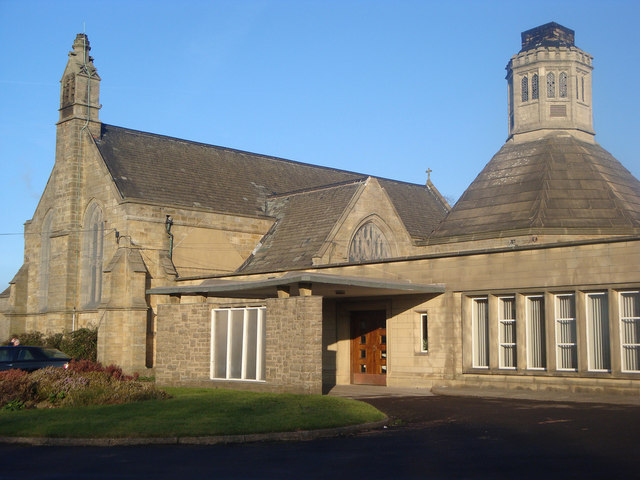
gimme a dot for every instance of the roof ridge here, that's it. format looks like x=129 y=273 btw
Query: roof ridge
x=539 y=206
x=318 y=188
x=261 y=155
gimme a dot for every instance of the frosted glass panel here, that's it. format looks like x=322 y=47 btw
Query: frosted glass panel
x=235 y=357
x=220 y=328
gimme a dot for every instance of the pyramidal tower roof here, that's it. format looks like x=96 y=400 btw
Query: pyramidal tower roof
x=550 y=176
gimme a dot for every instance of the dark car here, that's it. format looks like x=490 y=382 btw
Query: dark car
x=31 y=358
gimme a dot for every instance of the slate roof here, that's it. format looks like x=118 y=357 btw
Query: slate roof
x=304 y=221
x=178 y=172
x=557 y=182
x=166 y=170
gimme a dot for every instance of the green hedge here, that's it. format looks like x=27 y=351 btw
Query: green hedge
x=81 y=344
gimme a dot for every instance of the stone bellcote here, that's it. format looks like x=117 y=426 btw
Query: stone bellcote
x=549 y=85
x=80 y=84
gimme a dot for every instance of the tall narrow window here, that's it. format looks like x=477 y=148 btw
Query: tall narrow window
x=630 y=331
x=536 y=351
x=566 y=349
x=424 y=333
x=577 y=90
x=598 y=332
x=45 y=260
x=534 y=86
x=562 y=87
x=551 y=85
x=238 y=343
x=93 y=236
x=480 y=327
x=511 y=106
x=582 y=90
x=507 y=332
x=525 y=89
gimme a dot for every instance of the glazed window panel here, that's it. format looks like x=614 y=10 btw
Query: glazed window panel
x=480 y=321
x=525 y=89
x=562 y=85
x=598 y=332
x=551 y=85
x=536 y=333
x=534 y=86
x=566 y=335
x=369 y=243
x=630 y=330
x=424 y=333
x=507 y=332
x=238 y=344
x=92 y=257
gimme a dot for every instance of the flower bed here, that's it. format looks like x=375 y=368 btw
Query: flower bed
x=83 y=383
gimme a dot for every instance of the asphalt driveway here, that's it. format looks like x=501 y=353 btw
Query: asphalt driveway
x=430 y=437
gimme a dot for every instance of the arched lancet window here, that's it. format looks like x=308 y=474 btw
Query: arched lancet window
x=583 y=89
x=525 y=89
x=562 y=87
x=93 y=235
x=534 y=87
x=577 y=90
x=551 y=85
x=45 y=260
x=369 y=243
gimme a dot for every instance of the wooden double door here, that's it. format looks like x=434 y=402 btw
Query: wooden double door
x=369 y=347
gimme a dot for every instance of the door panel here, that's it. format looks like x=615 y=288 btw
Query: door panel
x=369 y=347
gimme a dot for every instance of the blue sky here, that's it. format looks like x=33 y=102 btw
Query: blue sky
x=388 y=88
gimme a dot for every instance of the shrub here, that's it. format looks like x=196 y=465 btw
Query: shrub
x=34 y=339
x=111 y=370
x=81 y=344
x=15 y=386
x=57 y=387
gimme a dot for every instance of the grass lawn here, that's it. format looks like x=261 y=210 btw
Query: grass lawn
x=192 y=412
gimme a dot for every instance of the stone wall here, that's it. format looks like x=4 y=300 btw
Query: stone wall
x=293 y=346
x=608 y=266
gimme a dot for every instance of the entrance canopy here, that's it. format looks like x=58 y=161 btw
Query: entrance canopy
x=300 y=283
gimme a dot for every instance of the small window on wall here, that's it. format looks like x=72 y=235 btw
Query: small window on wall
x=507 y=332
x=630 y=331
x=424 y=333
x=238 y=344
x=534 y=86
x=480 y=340
x=566 y=348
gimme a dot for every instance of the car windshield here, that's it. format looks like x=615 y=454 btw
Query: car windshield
x=53 y=353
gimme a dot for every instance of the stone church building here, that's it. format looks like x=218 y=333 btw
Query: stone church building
x=209 y=266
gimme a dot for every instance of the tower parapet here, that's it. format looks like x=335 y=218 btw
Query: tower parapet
x=549 y=85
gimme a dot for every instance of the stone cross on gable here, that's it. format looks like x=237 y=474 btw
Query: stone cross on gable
x=428 y=171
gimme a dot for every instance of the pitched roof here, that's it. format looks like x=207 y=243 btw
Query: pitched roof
x=160 y=169
x=304 y=221
x=420 y=208
x=178 y=172
x=557 y=182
